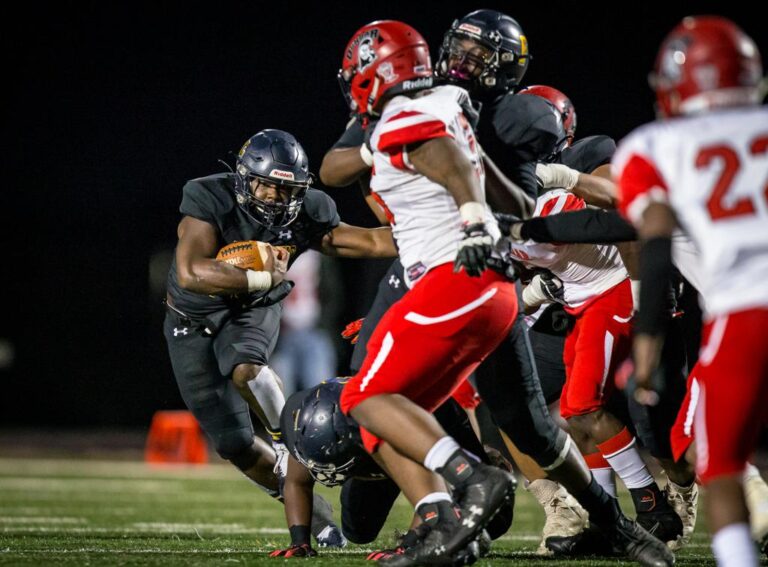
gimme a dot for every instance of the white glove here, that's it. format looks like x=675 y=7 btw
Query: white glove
x=281 y=459
x=556 y=175
x=544 y=288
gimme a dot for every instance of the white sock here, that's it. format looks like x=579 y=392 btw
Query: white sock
x=605 y=478
x=733 y=547
x=440 y=452
x=434 y=497
x=266 y=390
x=628 y=464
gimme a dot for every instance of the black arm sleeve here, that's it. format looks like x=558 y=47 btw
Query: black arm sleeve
x=655 y=275
x=588 y=226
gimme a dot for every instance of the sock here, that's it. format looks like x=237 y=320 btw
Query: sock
x=602 y=471
x=458 y=470
x=435 y=506
x=603 y=510
x=751 y=471
x=266 y=389
x=621 y=453
x=733 y=546
x=440 y=452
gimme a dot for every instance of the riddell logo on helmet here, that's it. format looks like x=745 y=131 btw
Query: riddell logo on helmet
x=471 y=29
x=422 y=83
x=282 y=174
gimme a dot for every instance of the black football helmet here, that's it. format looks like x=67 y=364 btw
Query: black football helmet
x=505 y=58
x=327 y=442
x=274 y=157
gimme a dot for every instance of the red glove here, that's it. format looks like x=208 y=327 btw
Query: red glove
x=304 y=550
x=352 y=330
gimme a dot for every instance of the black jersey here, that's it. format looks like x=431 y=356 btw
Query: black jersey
x=518 y=130
x=587 y=154
x=212 y=199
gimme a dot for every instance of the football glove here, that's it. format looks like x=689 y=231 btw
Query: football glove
x=509 y=225
x=352 y=331
x=474 y=250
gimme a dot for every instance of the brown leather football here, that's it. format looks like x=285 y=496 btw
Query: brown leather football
x=247 y=254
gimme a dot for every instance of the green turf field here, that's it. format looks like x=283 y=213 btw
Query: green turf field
x=70 y=512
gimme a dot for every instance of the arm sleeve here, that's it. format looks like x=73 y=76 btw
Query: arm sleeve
x=588 y=226
x=353 y=136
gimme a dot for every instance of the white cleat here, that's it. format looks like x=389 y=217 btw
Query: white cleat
x=564 y=515
x=684 y=500
x=756 y=494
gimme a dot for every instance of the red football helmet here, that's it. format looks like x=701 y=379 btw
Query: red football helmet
x=561 y=102
x=705 y=62
x=385 y=57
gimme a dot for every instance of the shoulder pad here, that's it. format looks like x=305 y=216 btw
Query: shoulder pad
x=320 y=208
x=206 y=198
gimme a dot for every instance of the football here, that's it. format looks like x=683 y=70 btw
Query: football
x=248 y=254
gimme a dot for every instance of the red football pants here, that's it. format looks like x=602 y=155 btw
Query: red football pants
x=733 y=399
x=432 y=339
x=599 y=341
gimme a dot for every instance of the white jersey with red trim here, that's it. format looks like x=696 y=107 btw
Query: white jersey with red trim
x=712 y=169
x=424 y=216
x=586 y=270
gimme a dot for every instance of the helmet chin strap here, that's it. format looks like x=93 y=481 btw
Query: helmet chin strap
x=372 y=96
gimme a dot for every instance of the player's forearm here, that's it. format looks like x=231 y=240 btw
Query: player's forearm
x=341 y=167
x=211 y=277
x=503 y=194
x=349 y=241
x=596 y=191
x=297 y=495
x=442 y=161
x=590 y=226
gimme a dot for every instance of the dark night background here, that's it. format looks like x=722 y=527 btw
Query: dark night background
x=110 y=109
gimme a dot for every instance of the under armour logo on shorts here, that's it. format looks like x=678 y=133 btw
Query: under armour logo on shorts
x=394 y=281
x=182 y=331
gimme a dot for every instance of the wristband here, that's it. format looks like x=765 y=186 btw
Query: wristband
x=299 y=535
x=258 y=281
x=366 y=155
x=472 y=212
x=533 y=295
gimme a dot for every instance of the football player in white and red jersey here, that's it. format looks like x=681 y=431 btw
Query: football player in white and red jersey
x=596 y=292
x=428 y=174
x=704 y=166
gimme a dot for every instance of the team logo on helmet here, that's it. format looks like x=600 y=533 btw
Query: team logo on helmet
x=387 y=72
x=673 y=59
x=365 y=53
x=241 y=153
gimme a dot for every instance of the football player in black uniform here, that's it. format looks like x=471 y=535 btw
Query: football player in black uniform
x=223 y=321
x=325 y=447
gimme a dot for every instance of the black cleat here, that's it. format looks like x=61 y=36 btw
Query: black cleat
x=630 y=539
x=665 y=525
x=431 y=550
x=590 y=541
x=479 y=500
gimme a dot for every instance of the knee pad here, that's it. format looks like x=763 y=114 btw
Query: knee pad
x=244 y=454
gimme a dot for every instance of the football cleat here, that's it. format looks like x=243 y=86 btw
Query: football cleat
x=684 y=501
x=628 y=538
x=565 y=518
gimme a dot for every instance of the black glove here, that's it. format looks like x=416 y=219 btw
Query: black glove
x=506 y=221
x=274 y=295
x=474 y=250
